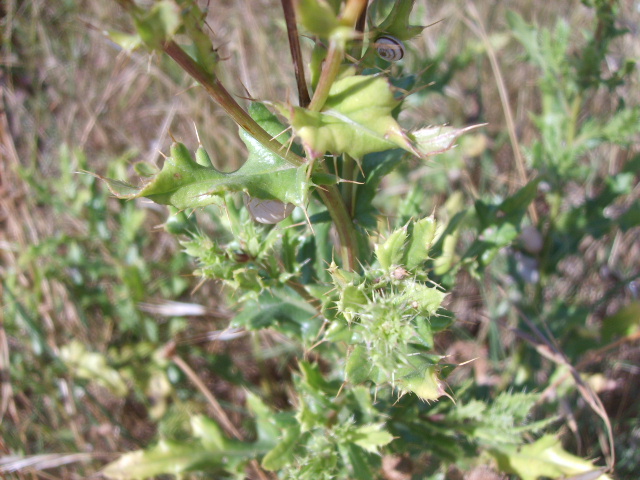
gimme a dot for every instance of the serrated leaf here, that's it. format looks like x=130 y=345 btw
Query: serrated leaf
x=184 y=183
x=356 y=119
x=352 y=301
x=371 y=437
x=390 y=252
x=358 y=365
x=543 y=458
x=165 y=458
x=281 y=311
x=423 y=234
x=426 y=300
x=283 y=453
x=423 y=380
x=397 y=22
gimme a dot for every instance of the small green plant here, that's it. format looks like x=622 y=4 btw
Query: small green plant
x=307 y=252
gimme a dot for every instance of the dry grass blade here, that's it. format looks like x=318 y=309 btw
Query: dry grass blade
x=16 y=463
x=475 y=24
x=548 y=349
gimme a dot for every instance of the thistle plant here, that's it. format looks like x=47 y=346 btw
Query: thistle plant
x=305 y=251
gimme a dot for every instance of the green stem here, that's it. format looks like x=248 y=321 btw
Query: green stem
x=352 y=11
x=329 y=73
x=344 y=225
x=331 y=195
x=348 y=188
x=217 y=91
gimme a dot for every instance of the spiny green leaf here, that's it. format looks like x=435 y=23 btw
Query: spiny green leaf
x=358 y=365
x=283 y=453
x=426 y=300
x=397 y=22
x=422 y=236
x=185 y=183
x=356 y=119
x=422 y=378
x=371 y=437
x=390 y=252
x=282 y=311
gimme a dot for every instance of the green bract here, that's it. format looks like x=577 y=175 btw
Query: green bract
x=397 y=22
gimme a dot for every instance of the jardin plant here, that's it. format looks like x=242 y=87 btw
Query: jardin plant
x=307 y=250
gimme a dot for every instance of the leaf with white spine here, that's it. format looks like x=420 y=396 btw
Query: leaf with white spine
x=357 y=119
x=183 y=183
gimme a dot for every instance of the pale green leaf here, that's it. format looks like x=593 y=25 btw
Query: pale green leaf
x=371 y=437
x=356 y=119
x=283 y=453
x=158 y=24
x=209 y=433
x=127 y=41
x=543 y=458
x=165 y=458
x=420 y=241
x=317 y=16
x=423 y=380
x=358 y=365
x=426 y=300
x=390 y=252
x=92 y=366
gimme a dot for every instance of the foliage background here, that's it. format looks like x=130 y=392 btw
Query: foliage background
x=90 y=280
